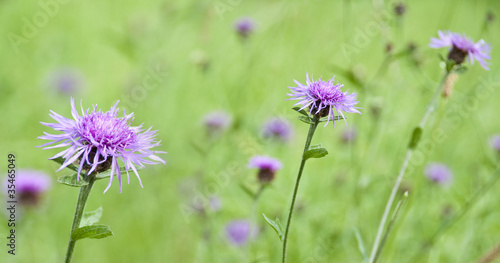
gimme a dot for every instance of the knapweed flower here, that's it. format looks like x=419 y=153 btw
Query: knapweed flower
x=277 y=128
x=97 y=140
x=66 y=81
x=217 y=121
x=324 y=98
x=239 y=232
x=349 y=135
x=495 y=143
x=29 y=186
x=267 y=167
x=244 y=26
x=462 y=47
x=439 y=173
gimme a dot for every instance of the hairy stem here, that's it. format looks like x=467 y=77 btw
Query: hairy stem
x=312 y=129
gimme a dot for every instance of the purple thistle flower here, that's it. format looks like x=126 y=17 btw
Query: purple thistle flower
x=461 y=47
x=30 y=185
x=239 y=231
x=66 y=81
x=324 y=98
x=438 y=173
x=244 y=26
x=495 y=143
x=97 y=140
x=217 y=121
x=267 y=167
x=349 y=135
x=277 y=128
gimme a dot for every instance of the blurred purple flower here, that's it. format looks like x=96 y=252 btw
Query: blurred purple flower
x=349 y=135
x=495 y=142
x=217 y=121
x=277 y=128
x=29 y=186
x=97 y=140
x=267 y=167
x=66 y=81
x=324 y=98
x=239 y=232
x=244 y=26
x=439 y=173
x=462 y=47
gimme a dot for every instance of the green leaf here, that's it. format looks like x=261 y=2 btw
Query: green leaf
x=92 y=217
x=449 y=65
x=61 y=160
x=315 y=152
x=361 y=246
x=415 y=137
x=305 y=119
x=94 y=231
x=276 y=225
x=71 y=180
x=336 y=118
x=303 y=112
x=460 y=69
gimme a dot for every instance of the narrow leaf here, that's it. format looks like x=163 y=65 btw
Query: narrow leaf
x=315 y=153
x=247 y=191
x=94 y=231
x=71 y=180
x=305 y=119
x=361 y=246
x=415 y=137
x=61 y=160
x=92 y=217
x=303 y=112
x=276 y=225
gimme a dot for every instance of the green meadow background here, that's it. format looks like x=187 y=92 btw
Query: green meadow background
x=171 y=62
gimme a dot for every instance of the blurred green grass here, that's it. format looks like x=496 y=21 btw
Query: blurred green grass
x=116 y=44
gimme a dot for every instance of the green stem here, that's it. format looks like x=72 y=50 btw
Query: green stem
x=312 y=128
x=80 y=206
x=430 y=108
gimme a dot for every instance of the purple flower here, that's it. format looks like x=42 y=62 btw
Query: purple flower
x=438 y=173
x=217 y=121
x=97 y=140
x=277 y=128
x=349 y=135
x=244 y=26
x=29 y=186
x=495 y=143
x=324 y=98
x=239 y=231
x=461 y=47
x=267 y=167
x=66 y=81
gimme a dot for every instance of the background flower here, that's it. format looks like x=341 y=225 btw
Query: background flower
x=29 y=186
x=439 y=173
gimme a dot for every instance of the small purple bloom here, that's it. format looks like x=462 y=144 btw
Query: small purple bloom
x=217 y=121
x=30 y=185
x=244 y=26
x=439 y=173
x=97 y=140
x=461 y=47
x=324 y=98
x=277 y=128
x=66 y=81
x=349 y=135
x=495 y=143
x=239 y=231
x=267 y=167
